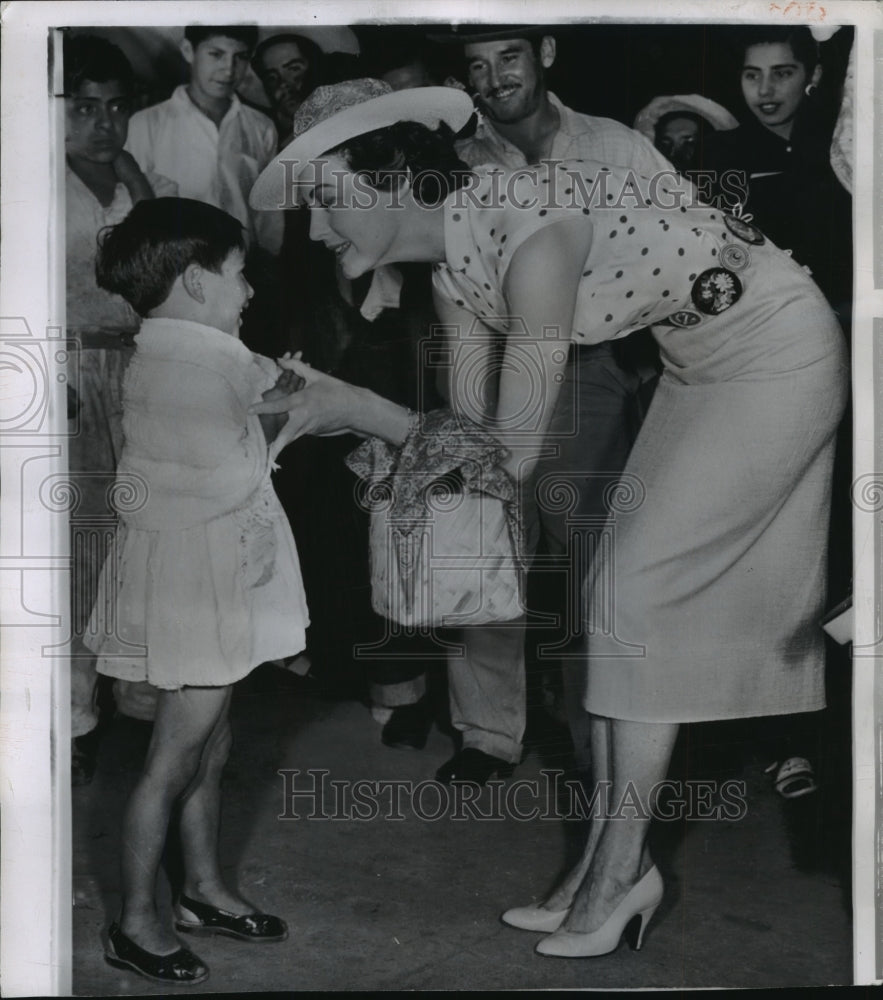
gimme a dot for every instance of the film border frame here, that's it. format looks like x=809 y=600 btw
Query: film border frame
x=33 y=717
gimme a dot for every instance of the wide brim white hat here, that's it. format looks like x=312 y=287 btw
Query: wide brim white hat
x=715 y=114
x=333 y=114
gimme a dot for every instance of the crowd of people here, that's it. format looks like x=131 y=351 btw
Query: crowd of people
x=699 y=348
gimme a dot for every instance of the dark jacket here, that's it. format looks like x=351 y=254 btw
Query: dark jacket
x=793 y=195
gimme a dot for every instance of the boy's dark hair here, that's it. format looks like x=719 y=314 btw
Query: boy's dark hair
x=89 y=57
x=803 y=45
x=140 y=257
x=386 y=154
x=246 y=33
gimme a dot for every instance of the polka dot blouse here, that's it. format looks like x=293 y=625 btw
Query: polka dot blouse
x=648 y=249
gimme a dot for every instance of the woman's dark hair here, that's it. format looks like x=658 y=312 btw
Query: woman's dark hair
x=803 y=45
x=245 y=33
x=309 y=50
x=428 y=154
x=141 y=257
x=89 y=57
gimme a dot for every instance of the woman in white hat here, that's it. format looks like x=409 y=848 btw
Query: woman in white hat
x=720 y=550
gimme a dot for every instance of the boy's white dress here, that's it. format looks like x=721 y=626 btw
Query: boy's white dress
x=204 y=583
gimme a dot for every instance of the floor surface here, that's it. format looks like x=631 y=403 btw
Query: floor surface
x=409 y=895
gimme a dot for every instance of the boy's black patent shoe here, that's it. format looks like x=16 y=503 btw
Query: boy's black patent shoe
x=181 y=968
x=203 y=918
x=472 y=764
x=408 y=726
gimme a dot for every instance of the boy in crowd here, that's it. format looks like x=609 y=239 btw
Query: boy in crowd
x=203 y=142
x=102 y=182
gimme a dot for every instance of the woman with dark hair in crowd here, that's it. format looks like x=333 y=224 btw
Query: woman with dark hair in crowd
x=780 y=159
x=782 y=154
x=720 y=565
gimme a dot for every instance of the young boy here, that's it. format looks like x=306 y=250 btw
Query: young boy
x=203 y=142
x=209 y=585
x=102 y=182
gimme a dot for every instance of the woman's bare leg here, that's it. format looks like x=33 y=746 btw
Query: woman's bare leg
x=185 y=720
x=599 y=737
x=641 y=753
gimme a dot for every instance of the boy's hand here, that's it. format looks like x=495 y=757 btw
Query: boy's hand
x=287 y=383
x=126 y=168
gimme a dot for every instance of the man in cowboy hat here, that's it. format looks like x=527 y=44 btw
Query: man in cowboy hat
x=596 y=418
x=523 y=122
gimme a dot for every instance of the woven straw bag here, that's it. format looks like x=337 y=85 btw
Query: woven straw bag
x=444 y=535
x=458 y=567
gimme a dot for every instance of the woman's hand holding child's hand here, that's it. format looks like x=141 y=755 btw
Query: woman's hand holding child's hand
x=322 y=404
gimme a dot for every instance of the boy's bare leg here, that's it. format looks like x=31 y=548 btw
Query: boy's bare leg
x=185 y=719
x=200 y=827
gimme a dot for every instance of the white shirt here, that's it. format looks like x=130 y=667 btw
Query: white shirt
x=85 y=216
x=184 y=154
x=578 y=137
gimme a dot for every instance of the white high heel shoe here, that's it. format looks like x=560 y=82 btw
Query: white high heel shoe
x=534 y=918
x=640 y=903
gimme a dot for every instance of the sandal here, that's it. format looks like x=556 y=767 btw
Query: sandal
x=195 y=917
x=180 y=968
x=795 y=778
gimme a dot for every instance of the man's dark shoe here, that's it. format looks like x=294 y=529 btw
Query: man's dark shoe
x=408 y=726
x=471 y=764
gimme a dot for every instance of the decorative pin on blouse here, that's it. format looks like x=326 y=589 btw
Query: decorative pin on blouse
x=734 y=257
x=715 y=290
x=683 y=318
x=739 y=224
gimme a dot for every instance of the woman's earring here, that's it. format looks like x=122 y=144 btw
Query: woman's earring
x=809 y=89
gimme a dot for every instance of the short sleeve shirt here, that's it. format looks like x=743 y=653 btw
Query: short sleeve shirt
x=651 y=243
